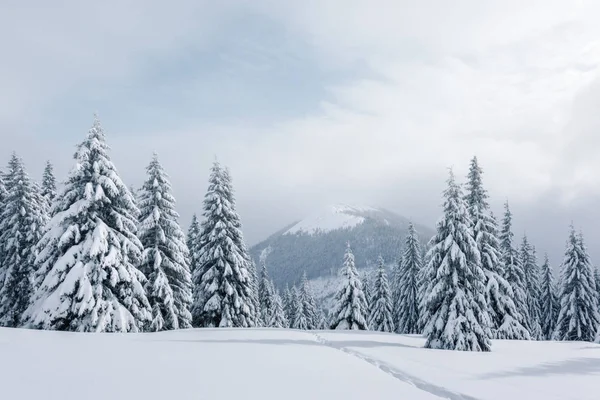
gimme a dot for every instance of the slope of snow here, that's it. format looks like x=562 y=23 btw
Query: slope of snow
x=335 y=217
x=275 y=364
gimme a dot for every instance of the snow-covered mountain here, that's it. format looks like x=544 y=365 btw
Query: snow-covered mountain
x=316 y=244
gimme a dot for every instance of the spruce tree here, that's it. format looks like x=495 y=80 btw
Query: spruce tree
x=597 y=279
x=48 y=185
x=513 y=269
x=367 y=285
x=300 y=321
x=548 y=303
x=407 y=303
x=380 y=317
x=350 y=311
x=456 y=303
x=396 y=289
x=192 y=239
x=165 y=259
x=258 y=321
x=87 y=264
x=3 y=196
x=532 y=288
x=223 y=281
x=265 y=295
x=501 y=308
x=22 y=223
x=277 y=318
x=578 y=318
x=309 y=305
x=288 y=303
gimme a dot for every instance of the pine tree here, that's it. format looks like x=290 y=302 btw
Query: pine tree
x=513 y=269
x=3 y=196
x=350 y=312
x=192 y=240
x=258 y=321
x=165 y=259
x=88 y=257
x=48 y=190
x=578 y=318
x=277 y=318
x=366 y=281
x=288 y=304
x=396 y=289
x=265 y=295
x=597 y=279
x=532 y=287
x=309 y=305
x=501 y=308
x=407 y=301
x=22 y=222
x=456 y=303
x=223 y=283
x=380 y=317
x=548 y=301
x=299 y=321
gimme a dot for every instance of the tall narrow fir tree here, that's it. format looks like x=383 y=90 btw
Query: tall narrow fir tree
x=407 y=302
x=223 y=282
x=456 y=303
x=380 y=317
x=165 y=259
x=548 y=303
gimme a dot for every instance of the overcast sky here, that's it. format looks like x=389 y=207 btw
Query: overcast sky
x=311 y=102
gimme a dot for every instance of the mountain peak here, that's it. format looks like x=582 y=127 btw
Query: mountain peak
x=333 y=217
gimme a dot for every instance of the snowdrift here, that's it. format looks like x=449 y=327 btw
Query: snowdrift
x=285 y=364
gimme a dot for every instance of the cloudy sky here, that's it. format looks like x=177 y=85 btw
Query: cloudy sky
x=311 y=102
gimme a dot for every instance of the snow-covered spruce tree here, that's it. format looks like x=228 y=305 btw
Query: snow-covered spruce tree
x=87 y=264
x=223 y=281
x=457 y=306
x=380 y=317
x=165 y=259
x=309 y=305
x=48 y=184
x=406 y=307
x=277 y=318
x=299 y=321
x=350 y=312
x=367 y=285
x=396 y=289
x=3 y=196
x=258 y=321
x=501 y=308
x=597 y=279
x=265 y=295
x=513 y=269
x=22 y=222
x=288 y=303
x=192 y=239
x=548 y=300
x=578 y=318
x=532 y=285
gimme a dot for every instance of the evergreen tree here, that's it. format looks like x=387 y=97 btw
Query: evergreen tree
x=300 y=321
x=396 y=288
x=597 y=279
x=192 y=240
x=288 y=304
x=532 y=288
x=309 y=305
x=165 y=259
x=456 y=303
x=501 y=308
x=578 y=318
x=277 y=315
x=350 y=312
x=548 y=301
x=513 y=269
x=407 y=303
x=265 y=295
x=258 y=321
x=223 y=283
x=3 y=196
x=380 y=317
x=88 y=257
x=367 y=285
x=48 y=190
x=22 y=221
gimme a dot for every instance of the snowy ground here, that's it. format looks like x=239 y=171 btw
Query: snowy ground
x=277 y=364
